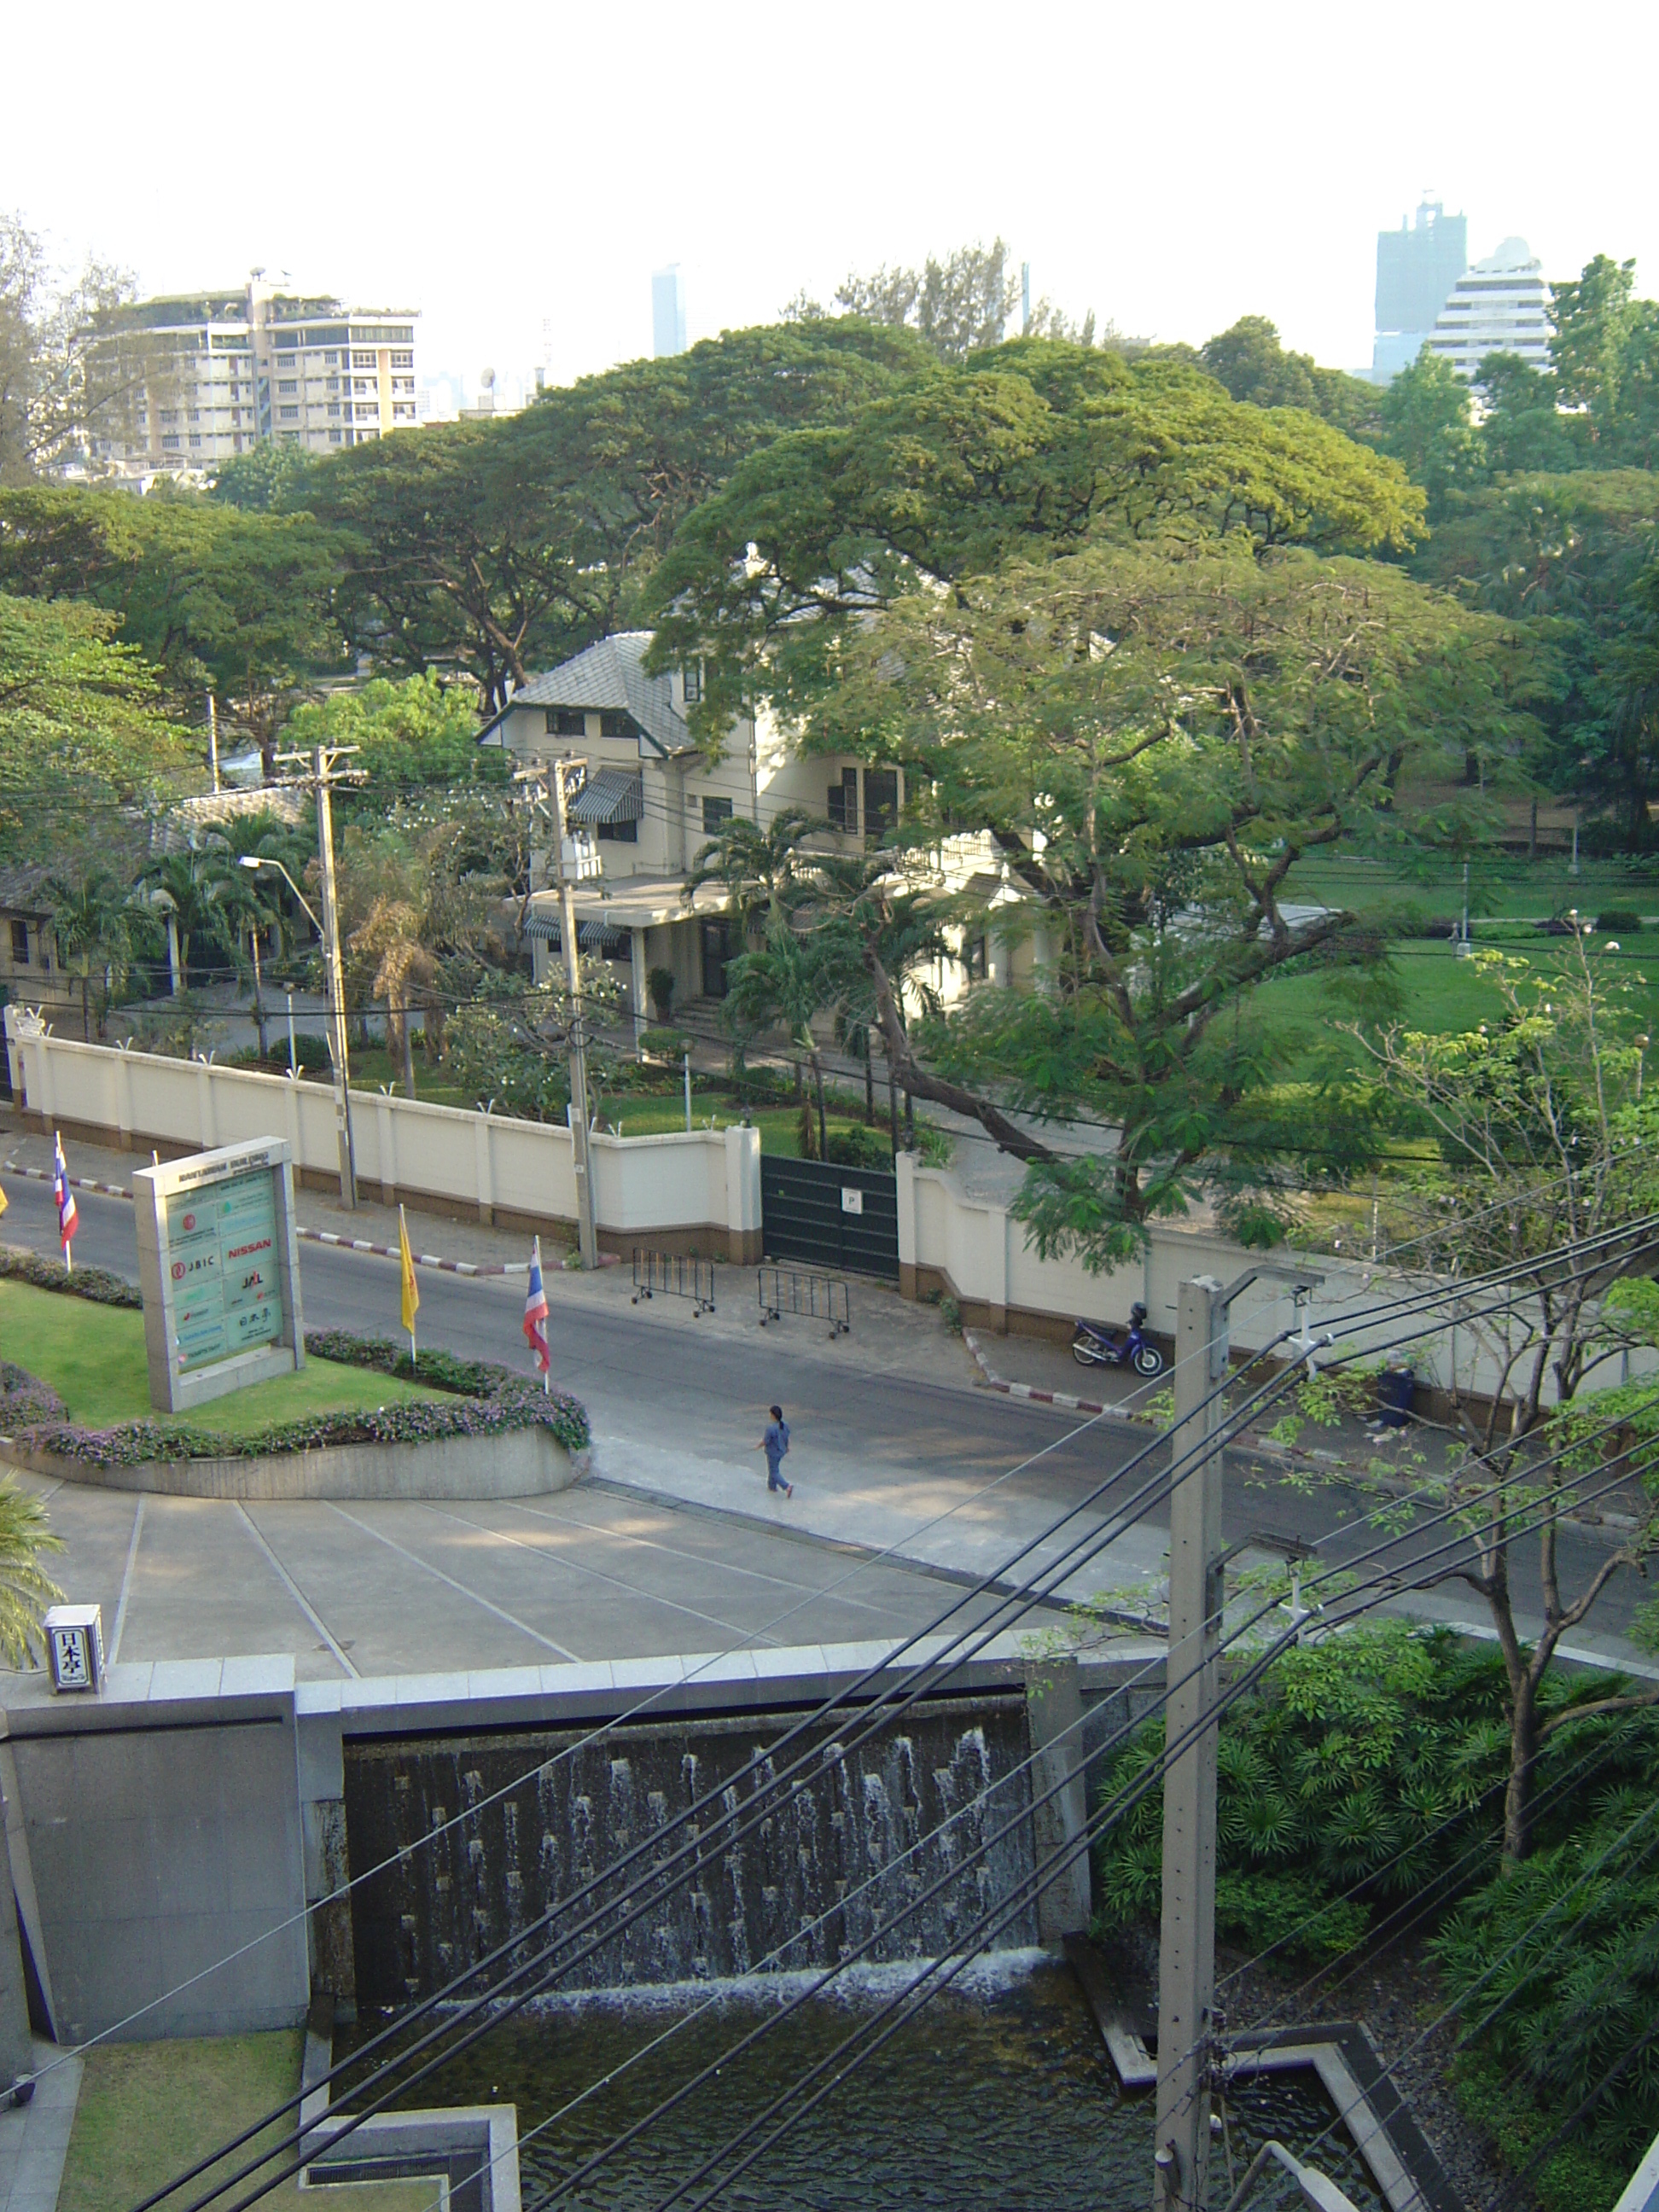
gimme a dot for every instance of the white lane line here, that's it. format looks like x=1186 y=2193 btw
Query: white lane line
x=293 y=1590
x=438 y=1575
x=126 y=1581
x=695 y=1559
x=596 y=1574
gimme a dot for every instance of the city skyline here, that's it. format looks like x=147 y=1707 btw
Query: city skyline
x=1175 y=250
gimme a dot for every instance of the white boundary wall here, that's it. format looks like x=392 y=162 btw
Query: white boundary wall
x=699 y=1187
x=975 y=1249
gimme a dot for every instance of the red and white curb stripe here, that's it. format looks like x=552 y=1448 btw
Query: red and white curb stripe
x=1063 y=1399
x=345 y=1243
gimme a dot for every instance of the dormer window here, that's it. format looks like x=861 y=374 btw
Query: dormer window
x=566 y=722
x=693 y=682
x=615 y=723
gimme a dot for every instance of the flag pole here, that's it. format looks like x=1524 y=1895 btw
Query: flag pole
x=547 y=1372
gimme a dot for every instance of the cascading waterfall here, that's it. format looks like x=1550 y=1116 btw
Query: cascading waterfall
x=876 y=1810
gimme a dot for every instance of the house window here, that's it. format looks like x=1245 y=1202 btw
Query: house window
x=403 y=360
x=842 y=804
x=880 y=801
x=362 y=361
x=715 y=812
x=333 y=437
x=288 y=384
x=613 y=723
x=20 y=942
x=289 y=414
x=693 y=682
x=619 y=833
x=566 y=722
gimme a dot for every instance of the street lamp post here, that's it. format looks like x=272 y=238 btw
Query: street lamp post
x=326 y=929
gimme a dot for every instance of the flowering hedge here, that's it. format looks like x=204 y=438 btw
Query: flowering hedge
x=25 y=1400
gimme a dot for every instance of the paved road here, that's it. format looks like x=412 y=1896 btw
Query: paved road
x=884 y=1459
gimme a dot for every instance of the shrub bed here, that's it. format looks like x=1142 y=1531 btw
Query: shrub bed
x=488 y=1400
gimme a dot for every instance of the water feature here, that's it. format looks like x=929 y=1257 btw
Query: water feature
x=864 y=1831
x=998 y=2097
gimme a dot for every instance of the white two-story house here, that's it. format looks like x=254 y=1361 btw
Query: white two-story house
x=652 y=800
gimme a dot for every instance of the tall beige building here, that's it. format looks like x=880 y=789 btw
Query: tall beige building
x=183 y=385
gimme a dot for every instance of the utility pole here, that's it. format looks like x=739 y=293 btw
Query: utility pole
x=567 y=866
x=320 y=776
x=1186 y=1991
x=213 y=740
x=1186 y=1976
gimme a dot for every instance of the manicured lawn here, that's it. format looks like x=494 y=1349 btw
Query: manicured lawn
x=94 y=1357
x=1501 y=885
x=149 y=2110
x=779 y=1125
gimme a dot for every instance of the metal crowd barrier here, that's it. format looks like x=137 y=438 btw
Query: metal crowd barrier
x=814 y=1297
x=672 y=1275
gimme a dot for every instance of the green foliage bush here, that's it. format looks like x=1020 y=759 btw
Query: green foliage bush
x=489 y=1059
x=95 y=1283
x=661 y=984
x=1622 y=920
x=664 y=1044
x=1366 y=1771
x=1362 y=1762
x=859 y=1147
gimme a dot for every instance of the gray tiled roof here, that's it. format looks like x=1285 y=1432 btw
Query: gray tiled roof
x=609 y=674
x=23 y=888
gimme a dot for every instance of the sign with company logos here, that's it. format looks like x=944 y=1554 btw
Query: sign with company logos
x=218 y=1265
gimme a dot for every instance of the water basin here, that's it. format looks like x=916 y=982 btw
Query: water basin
x=998 y=2097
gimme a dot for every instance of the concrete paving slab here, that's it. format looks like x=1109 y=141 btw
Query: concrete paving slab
x=34 y=2137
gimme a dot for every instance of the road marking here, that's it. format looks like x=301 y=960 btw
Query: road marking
x=293 y=1590
x=613 y=1581
x=438 y=1575
x=126 y=1581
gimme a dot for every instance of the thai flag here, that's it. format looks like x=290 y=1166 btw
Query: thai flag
x=64 y=1196
x=534 y=1313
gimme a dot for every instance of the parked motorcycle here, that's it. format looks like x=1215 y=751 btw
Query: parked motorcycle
x=1104 y=1347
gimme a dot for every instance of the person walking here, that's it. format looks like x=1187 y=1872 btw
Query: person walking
x=774 y=1444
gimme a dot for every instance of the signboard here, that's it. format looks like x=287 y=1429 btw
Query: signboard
x=74 y=1646
x=222 y=1242
x=852 y=1201
x=218 y=1265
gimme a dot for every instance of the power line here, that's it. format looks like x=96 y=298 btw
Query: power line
x=1056 y=1569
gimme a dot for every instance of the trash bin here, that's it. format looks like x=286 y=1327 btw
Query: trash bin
x=1396 y=1387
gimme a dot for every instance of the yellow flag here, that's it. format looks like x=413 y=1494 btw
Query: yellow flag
x=412 y=1288
x=2 y=1201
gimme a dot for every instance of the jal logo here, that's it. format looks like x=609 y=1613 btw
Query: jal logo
x=253 y=1282
x=178 y=1271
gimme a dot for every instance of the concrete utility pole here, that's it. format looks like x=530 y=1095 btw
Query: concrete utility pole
x=565 y=862
x=1186 y=1991
x=1186 y=1978
x=321 y=775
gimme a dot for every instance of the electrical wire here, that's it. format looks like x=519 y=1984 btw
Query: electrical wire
x=441 y=2061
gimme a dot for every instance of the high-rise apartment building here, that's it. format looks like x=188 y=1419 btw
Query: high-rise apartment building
x=1500 y=305
x=1416 y=268
x=668 y=312
x=183 y=385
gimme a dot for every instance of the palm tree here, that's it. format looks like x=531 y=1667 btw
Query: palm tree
x=762 y=868
x=248 y=908
x=187 y=889
x=25 y=1591
x=96 y=925
x=783 y=984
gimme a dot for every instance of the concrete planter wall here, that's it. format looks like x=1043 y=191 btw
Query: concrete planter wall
x=522 y=1463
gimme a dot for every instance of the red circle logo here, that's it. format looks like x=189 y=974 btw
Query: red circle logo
x=178 y=1271
x=189 y=1221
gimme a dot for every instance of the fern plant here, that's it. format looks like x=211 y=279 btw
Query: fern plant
x=25 y=1590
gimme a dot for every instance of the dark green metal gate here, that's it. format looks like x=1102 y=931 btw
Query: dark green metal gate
x=830 y=1217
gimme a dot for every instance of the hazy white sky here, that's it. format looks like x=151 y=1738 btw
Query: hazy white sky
x=1170 y=167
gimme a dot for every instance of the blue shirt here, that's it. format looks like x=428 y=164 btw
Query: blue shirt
x=776 y=1440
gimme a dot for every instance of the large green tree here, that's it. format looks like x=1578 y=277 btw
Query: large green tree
x=215 y=598
x=1604 y=348
x=506 y=547
x=1428 y=425
x=1564 y=555
x=1036 y=447
x=1250 y=359
x=1154 y=735
x=83 y=725
x=955 y=306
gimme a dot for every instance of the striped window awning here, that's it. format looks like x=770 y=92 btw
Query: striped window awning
x=613 y=795
x=591 y=936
